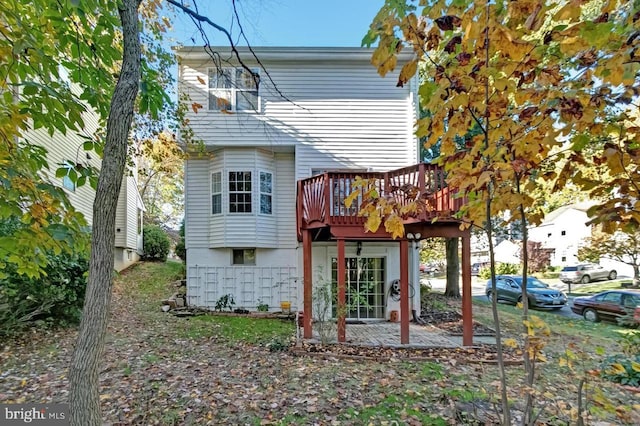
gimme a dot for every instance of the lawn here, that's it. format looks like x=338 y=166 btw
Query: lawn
x=219 y=369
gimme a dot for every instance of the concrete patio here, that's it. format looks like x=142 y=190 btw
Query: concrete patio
x=387 y=334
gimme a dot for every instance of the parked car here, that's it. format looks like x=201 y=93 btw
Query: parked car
x=509 y=289
x=608 y=305
x=585 y=273
x=428 y=269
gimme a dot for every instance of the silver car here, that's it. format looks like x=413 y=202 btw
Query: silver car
x=585 y=273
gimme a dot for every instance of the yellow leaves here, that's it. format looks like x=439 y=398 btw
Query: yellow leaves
x=635 y=366
x=373 y=221
x=352 y=197
x=615 y=369
x=393 y=225
x=408 y=70
x=510 y=343
x=614 y=159
x=384 y=59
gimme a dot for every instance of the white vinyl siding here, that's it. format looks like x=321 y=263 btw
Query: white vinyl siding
x=197 y=205
x=127 y=217
x=339 y=116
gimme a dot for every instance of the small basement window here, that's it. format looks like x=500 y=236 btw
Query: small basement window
x=244 y=257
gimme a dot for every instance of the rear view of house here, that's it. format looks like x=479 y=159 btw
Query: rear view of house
x=313 y=110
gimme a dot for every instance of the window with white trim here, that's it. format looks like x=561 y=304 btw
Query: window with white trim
x=240 y=192
x=233 y=89
x=216 y=193
x=244 y=257
x=266 y=193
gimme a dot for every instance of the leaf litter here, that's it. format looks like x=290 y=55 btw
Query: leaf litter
x=153 y=373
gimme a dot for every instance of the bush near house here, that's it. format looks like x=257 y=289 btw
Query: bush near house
x=56 y=297
x=155 y=243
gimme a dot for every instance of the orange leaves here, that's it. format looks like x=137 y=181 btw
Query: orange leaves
x=195 y=106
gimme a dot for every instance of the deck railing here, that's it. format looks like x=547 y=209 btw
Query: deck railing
x=321 y=197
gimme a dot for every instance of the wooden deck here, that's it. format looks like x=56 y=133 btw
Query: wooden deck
x=320 y=200
x=321 y=215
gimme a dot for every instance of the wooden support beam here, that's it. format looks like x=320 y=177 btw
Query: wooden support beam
x=467 y=314
x=342 y=293
x=308 y=283
x=404 y=292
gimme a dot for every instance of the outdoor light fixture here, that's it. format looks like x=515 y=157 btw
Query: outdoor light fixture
x=413 y=237
x=359 y=248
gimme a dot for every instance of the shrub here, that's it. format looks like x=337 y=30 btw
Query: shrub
x=155 y=243
x=56 y=297
x=501 y=269
x=621 y=368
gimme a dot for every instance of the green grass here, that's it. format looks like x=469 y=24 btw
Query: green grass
x=240 y=329
x=600 y=334
x=152 y=277
x=586 y=289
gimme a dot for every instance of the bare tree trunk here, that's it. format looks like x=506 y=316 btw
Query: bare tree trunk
x=84 y=396
x=453 y=268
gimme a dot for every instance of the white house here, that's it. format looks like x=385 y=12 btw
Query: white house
x=68 y=149
x=315 y=110
x=564 y=231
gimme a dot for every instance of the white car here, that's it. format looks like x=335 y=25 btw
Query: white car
x=585 y=273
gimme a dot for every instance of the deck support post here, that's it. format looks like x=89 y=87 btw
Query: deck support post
x=342 y=309
x=404 y=292
x=308 y=283
x=467 y=315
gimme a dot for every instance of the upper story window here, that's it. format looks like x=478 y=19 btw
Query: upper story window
x=216 y=193
x=266 y=193
x=563 y=233
x=233 y=89
x=240 y=192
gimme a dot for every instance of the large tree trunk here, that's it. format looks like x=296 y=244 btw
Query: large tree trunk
x=453 y=268
x=84 y=396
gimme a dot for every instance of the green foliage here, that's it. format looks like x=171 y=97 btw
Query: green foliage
x=323 y=298
x=181 y=249
x=55 y=297
x=262 y=307
x=621 y=368
x=630 y=343
x=225 y=302
x=501 y=269
x=155 y=243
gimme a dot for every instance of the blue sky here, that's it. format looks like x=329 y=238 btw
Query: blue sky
x=285 y=22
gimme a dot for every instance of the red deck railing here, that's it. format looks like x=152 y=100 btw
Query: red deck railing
x=320 y=201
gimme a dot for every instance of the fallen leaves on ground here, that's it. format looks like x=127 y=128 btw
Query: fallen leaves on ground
x=154 y=373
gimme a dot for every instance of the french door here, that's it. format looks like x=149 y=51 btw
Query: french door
x=365 y=277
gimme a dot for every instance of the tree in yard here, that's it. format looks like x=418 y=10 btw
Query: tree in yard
x=620 y=246
x=536 y=79
x=539 y=257
x=58 y=62
x=160 y=179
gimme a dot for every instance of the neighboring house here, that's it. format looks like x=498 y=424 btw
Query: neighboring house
x=329 y=111
x=563 y=230
x=68 y=149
